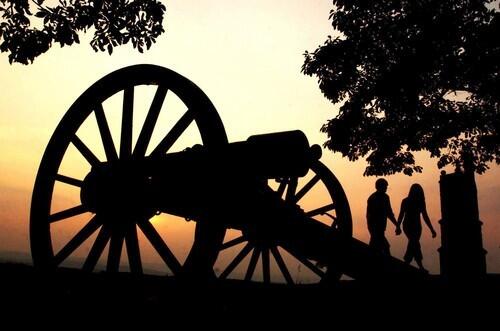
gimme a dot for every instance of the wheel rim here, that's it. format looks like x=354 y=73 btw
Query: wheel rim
x=334 y=211
x=157 y=80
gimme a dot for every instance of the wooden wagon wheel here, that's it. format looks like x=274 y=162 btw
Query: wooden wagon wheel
x=333 y=210
x=100 y=227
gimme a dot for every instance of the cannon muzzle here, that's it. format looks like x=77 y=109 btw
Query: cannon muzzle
x=272 y=155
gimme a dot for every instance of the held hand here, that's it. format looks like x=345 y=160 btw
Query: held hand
x=398 y=231
x=433 y=233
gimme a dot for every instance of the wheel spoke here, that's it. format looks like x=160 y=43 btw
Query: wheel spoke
x=253 y=263
x=115 y=249
x=127 y=120
x=309 y=265
x=149 y=124
x=306 y=189
x=292 y=187
x=85 y=151
x=282 y=187
x=161 y=247
x=237 y=260
x=97 y=248
x=107 y=140
x=282 y=265
x=174 y=134
x=233 y=242
x=74 y=211
x=133 y=251
x=333 y=218
x=266 y=266
x=320 y=210
x=77 y=240
x=69 y=180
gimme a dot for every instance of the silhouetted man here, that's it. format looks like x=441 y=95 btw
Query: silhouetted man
x=377 y=211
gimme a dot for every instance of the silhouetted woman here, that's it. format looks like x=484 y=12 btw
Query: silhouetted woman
x=411 y=208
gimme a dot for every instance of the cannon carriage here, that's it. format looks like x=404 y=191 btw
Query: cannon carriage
x=260 y=190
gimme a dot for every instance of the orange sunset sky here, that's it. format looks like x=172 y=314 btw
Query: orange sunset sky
x=246 y=56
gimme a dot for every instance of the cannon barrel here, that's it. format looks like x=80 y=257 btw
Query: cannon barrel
x=272 y=155
x=202 y=180
x=199 y=180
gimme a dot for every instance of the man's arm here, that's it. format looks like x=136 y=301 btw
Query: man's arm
x=390 y=214
x=402 y=211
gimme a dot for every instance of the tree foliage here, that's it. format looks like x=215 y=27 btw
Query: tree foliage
x=410 y=76
x=28 y=29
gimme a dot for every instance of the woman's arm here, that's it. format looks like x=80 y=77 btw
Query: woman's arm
x=428 y=221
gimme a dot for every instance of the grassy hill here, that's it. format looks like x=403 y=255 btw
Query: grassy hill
x=120 y=299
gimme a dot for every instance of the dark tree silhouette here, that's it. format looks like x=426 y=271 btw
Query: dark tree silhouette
x=412 y=75
x=115 y=22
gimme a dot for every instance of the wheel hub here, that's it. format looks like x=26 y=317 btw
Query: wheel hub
x=116 y=188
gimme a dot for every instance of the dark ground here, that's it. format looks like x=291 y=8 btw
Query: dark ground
x=70 y=298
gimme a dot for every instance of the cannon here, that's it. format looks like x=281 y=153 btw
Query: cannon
x=244 y=197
